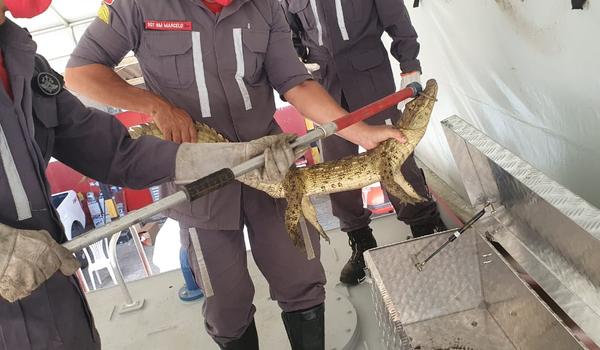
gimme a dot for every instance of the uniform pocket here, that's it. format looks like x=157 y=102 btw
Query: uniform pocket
x=167 y=56
x=255 y=49
x=368 y=60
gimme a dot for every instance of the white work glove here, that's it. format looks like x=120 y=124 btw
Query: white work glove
x=311 y=67
x=200 y=159
x=410 y=77
x=27 y=259
x=407 y=78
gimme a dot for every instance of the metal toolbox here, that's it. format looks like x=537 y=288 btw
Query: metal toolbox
x=466 y=298
x=485 y=290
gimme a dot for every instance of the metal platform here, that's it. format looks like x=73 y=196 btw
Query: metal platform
x=164 y=322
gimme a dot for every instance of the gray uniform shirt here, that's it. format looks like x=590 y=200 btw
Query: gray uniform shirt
x=221 y=69
x=34 y=127
x=344 y=38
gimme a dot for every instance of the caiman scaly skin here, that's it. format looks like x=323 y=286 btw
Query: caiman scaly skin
x=381 y=164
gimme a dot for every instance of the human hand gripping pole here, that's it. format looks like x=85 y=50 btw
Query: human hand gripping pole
x=219 y=179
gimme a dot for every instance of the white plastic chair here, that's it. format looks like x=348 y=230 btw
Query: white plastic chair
x=97 y=251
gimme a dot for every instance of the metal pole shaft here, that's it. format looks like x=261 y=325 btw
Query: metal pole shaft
x=123 y=223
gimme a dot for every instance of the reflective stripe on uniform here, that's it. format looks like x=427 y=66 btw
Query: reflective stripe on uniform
x=14 y=180
x=313 y=6
x=199 y=73
x=339 y=11
x=204 y=277
x=239 y=73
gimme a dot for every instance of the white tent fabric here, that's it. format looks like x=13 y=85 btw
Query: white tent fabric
x=527 y=73
x=57 y=30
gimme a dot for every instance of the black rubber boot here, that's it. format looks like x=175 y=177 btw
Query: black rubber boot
x=248 y=341
x=306 y=329
x=360 y=240
x=433 y=226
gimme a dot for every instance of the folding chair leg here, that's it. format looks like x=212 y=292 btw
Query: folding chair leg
x=91 y=275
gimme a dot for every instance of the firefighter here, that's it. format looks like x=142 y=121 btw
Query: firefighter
x=218 y=62
x=340 y=41
x=41 y=303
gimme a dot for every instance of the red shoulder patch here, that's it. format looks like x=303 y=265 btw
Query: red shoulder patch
x=109 y=2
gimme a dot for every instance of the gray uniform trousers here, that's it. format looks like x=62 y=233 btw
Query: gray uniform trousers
x=294 y=283
x=348 y=206
x=55 y=316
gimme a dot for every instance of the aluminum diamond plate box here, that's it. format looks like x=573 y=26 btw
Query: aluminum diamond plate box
x=553 y=234
x=466 y=298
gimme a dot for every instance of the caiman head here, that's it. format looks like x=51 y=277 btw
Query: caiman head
x=418 y=111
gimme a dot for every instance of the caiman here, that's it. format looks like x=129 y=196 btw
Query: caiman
x=380 y=164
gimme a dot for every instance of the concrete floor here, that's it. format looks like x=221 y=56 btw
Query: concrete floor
x=168 y=323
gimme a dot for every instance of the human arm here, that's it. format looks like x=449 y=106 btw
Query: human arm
x=97 y=145
x=90 y=70
x=395 y=19
x=312 y=101
x=103 y=85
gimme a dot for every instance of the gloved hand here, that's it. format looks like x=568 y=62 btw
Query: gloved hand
x=410 y=77
x=27 y=259
x=407 y=78
x=310 y=67
x=198 y=160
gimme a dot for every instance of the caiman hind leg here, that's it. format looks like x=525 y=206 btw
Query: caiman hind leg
x=390 y=169
x=392 y=187
x=293 y=186
x=310 y=214
x=407 y=188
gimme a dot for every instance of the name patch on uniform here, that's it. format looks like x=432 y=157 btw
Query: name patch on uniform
x=168 y=25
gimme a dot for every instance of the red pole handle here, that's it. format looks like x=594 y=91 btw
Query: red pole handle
x=412 y=90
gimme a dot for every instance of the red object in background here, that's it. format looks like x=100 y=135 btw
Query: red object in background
x=377 y=200
x=137 y=199
x=130 y=119
x=4 y=76
x=291 y=121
